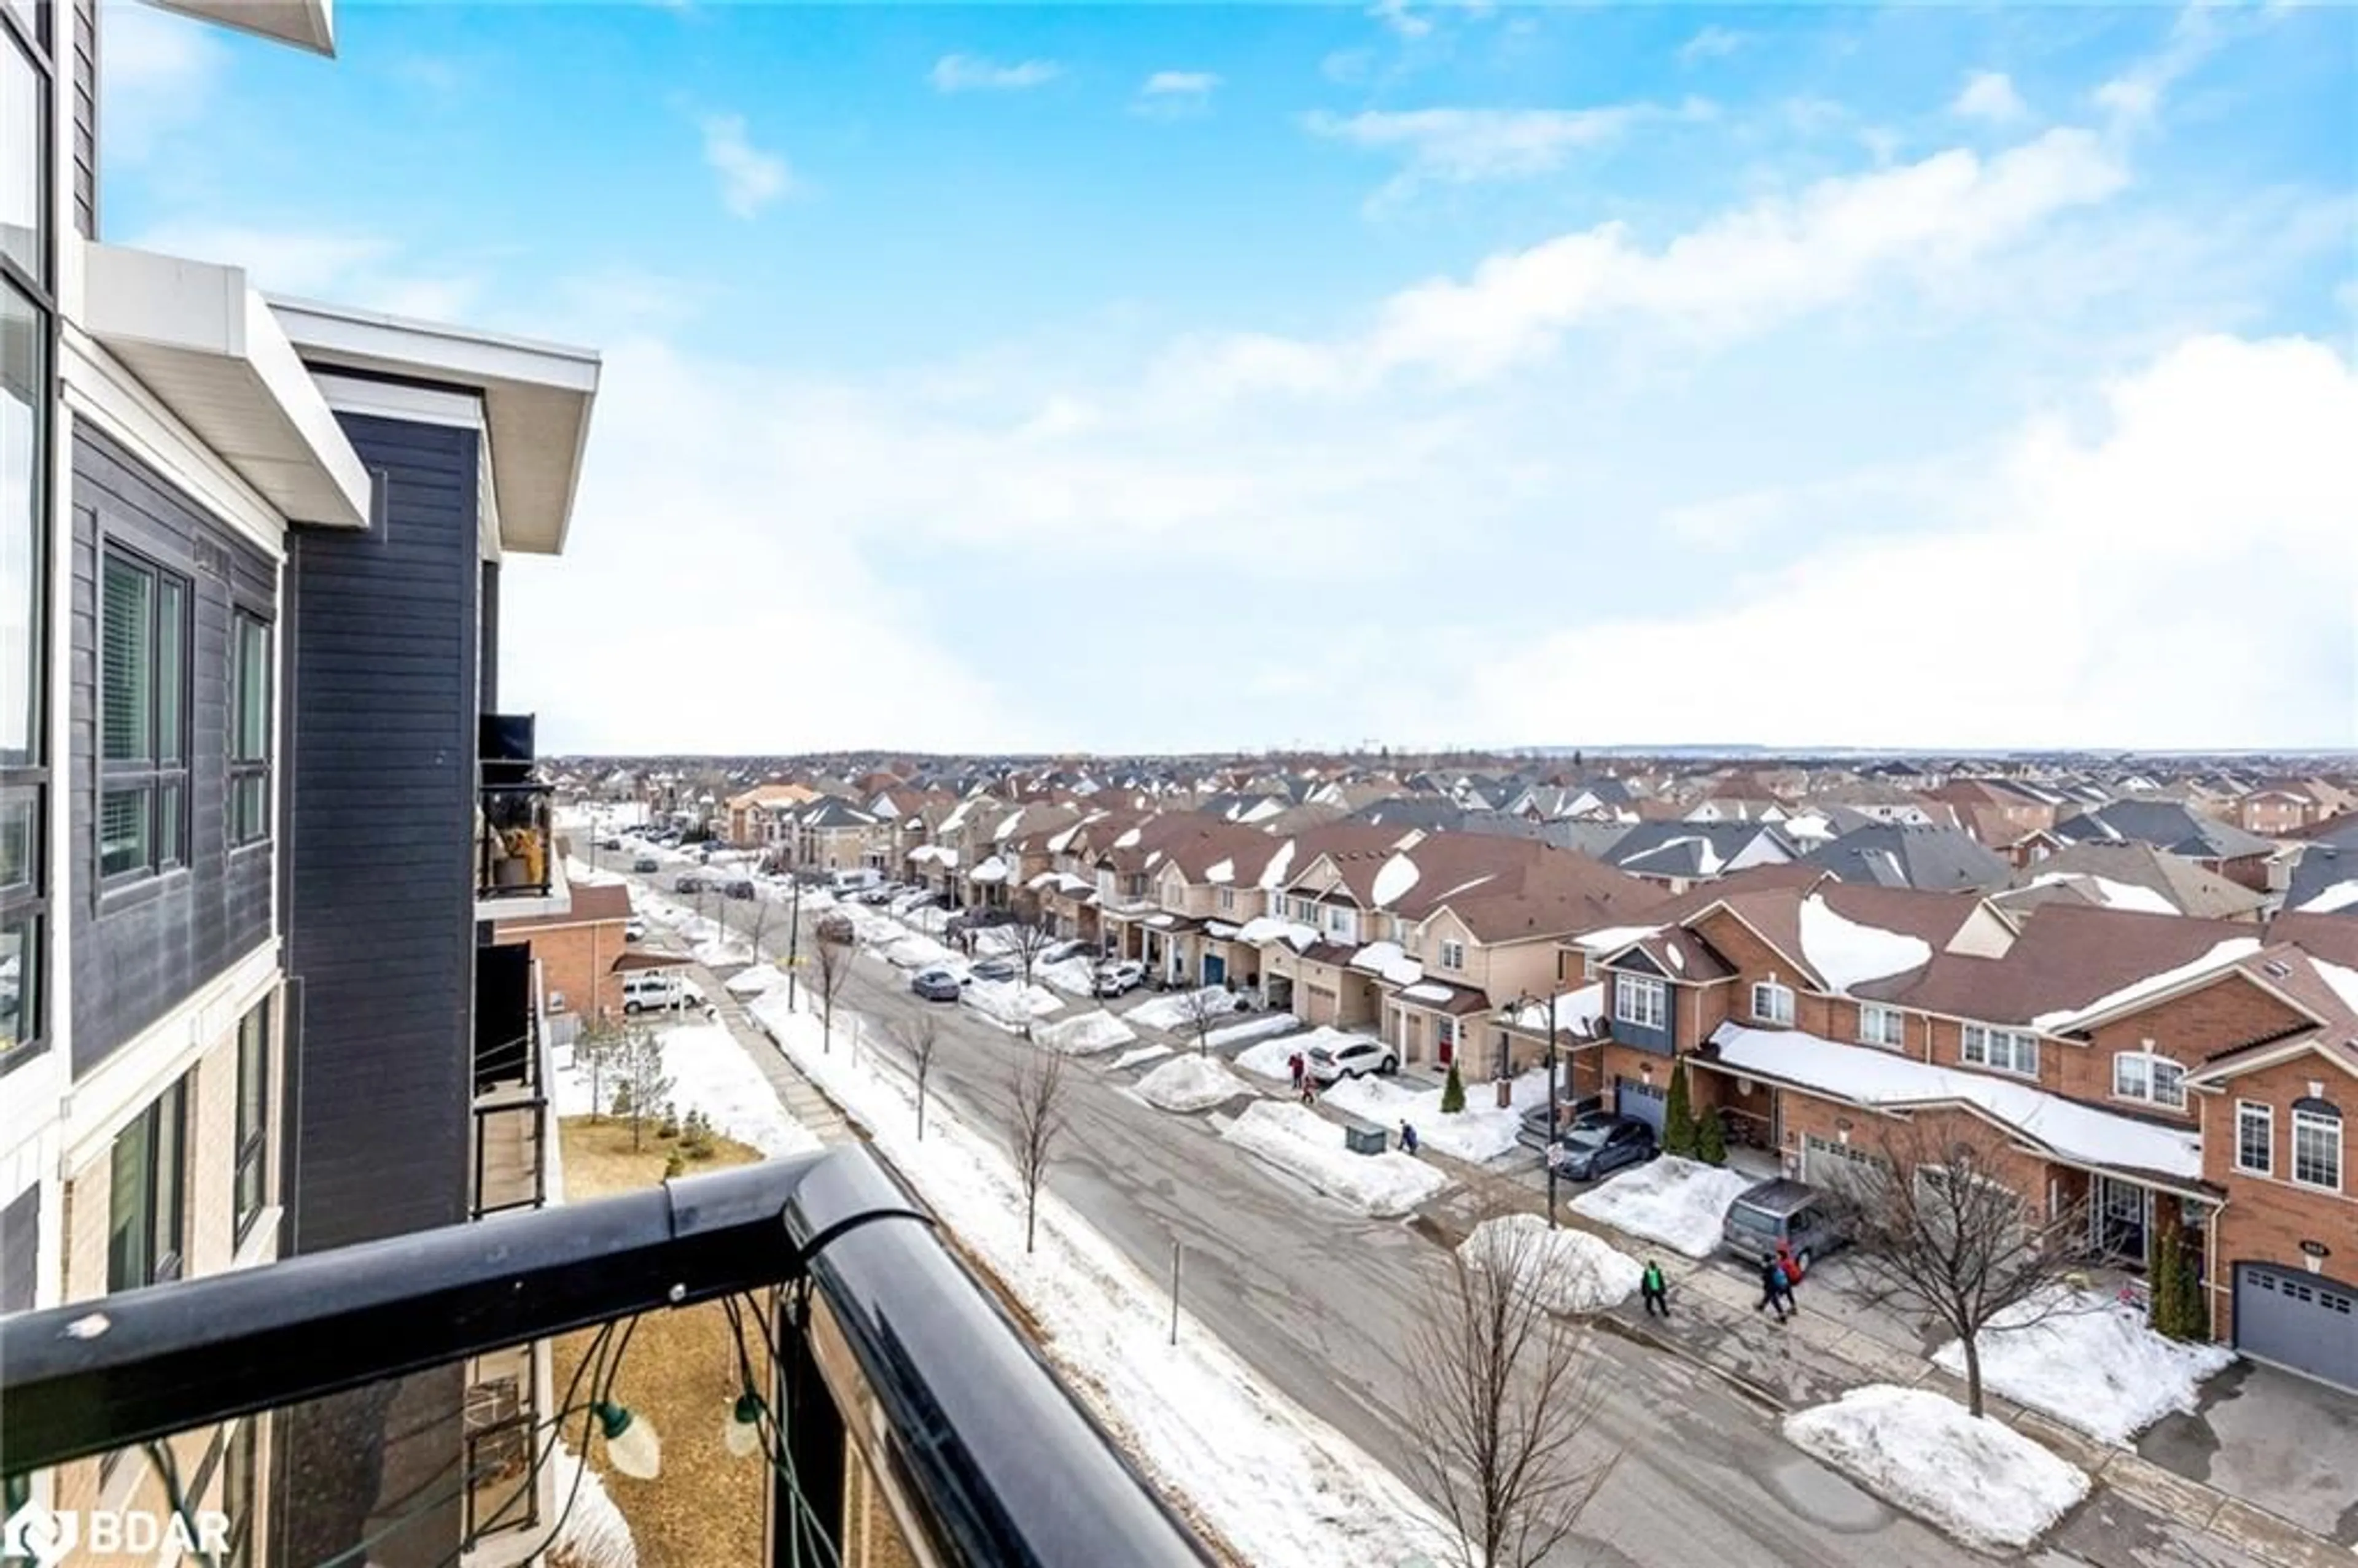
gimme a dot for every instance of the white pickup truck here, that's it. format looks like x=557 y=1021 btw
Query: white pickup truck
x=659 y=991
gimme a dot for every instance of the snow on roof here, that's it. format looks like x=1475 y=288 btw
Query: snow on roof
x=2114 y=895
x=950 y=822
x=1162 y=920
x=992 y=870
x=2344 y=981
x=1221 y=871
x=1127 y=839
x=1220 y=929
x=1872 y=1076
x=2228 y=952
x=1422 y=992
x=1267 y=928
x=1388 y=959
x=2341 y=895
x=1042 y=879
x=1061 y=838
x=1578 y=1012
x=1614 y=937
x=1845 y=953
x=1273 y=874
x=1261 y=810
x=1007 y=824
x=1465 y=887
x=1395 y=877
x=1677 y=955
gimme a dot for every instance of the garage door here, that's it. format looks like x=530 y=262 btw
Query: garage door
x=1829 y=1165
x=1642 y=1100
x=1320 y=1004
x=2298 y=1320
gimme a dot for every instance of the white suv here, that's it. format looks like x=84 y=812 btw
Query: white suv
x=1355 y=1059
x=643 y=993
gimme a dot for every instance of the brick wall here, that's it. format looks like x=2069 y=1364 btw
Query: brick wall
x=2185 y=1029
x=2266 y=1219
x=577 y=962
x=1803 y=1115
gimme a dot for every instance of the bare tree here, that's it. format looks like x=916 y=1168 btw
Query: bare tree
x=598 y=1049
x=1937 y=1230
x=1502 y=1390
x=1036 y=1087
x=644 y=1086
x=1199 y=1009
x=919 y=1036
x=758 y=922
x=1026 y=941
x=834 y=961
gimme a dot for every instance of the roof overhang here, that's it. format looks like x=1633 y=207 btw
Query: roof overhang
x=305 y=24
x=207 y=345
x=536 y=399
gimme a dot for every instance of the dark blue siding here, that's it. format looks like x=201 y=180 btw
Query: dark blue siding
x=140 y=949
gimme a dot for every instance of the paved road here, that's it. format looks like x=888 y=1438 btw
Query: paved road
x=1319 y=1299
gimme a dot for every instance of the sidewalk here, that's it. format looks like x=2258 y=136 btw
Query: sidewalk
x=802 y=1098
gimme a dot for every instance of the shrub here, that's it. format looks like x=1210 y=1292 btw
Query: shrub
x=673 y=1165
x=1452 y=1093
x=1678 y=1115
x=1711 y=1138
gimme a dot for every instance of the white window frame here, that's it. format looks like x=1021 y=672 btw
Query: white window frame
x=1641 y=1000
x=1228 y=900
x=2312 y=1121
x=1453 y=955
x=2249 y=1111
x=1404 y=934
x=1978 y=1046
x=1870 y=1036
x=1774 y=1012
x=2136 y=1077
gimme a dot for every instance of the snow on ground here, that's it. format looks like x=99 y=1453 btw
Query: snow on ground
x=1073 y=974
x=1580 y=1273
x=915 y=952
x=1276 y=1484
x=1191 y=1083
x=1085 y=1033
x=1172 y=1011
x=756 y=980
x=590 y=1530
x=1267 y=1058
x=1975 y=1477
x=1257 y=1027
x=720 y=953
x=1140 y=1056
x=1679 y=1202
x=1011 y=1003
x=1296 y=1139
x=1479 y=1132
x=2093 y=1363
x=711 y=1073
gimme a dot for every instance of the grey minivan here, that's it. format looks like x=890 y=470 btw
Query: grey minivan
x=1791 y=1211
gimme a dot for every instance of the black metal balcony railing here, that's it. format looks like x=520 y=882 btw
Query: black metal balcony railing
x=515 y=842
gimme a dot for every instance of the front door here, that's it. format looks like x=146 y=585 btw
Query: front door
x=1444 y=1041
x=1216 y=969
x=2121 y=1217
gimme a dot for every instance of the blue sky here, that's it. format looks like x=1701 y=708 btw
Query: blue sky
x=1180 y=378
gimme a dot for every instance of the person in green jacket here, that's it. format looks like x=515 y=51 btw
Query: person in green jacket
x=1655 y=1289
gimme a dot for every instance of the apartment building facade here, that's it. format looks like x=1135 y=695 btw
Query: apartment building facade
x=254 y=822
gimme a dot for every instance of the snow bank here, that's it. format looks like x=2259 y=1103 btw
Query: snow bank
x=1258 y=1028
x=2093 y=1363
x=1191 y=1083
x=1172 y=1012
x=1084 y=1034
x=1977 y=1478
x=757 y=980
x=720 y=953
x=1140 y=1056
x=1073 y=974
x=1479 y=1132
x=1579 y=1272
x=1012 y=1002
x=711 y=1072
x=1270 y=1057
x=1297 y=1141
x=915 y=952
x=1679 y=1202
x=1275 y=1483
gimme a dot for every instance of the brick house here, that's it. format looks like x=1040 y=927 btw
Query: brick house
x=577 y=948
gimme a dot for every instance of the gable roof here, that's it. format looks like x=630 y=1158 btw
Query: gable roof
x=2166 y=825
x=2119 y=871
x=1889 y=854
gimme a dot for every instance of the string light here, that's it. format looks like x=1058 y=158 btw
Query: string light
x=741 y=1433
x=631 y=1445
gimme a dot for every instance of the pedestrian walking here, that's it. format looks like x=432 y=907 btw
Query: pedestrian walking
x=1655 y=1289
x=1791 y=1267
x=1408 y=1139
x=1294 y=1063
x=1309 y=1092
x=1776 y=1291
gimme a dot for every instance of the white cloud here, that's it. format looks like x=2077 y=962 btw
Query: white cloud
x=967 y=74
x=1179 y=83
x=1463 y=146
x=2094 y=590
x=1714 y=42
x=162 y=74
x=1396 y=15
x=2200 y=29
x=1989 y=95
x=751 y=179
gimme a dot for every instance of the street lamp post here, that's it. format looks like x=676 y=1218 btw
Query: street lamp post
x=1554 y=1096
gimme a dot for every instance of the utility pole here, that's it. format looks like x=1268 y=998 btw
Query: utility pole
x=1555 y=1094
x=794 y=935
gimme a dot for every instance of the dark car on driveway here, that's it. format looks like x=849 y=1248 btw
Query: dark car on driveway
x=1534 y=1132
x=937 y=985
x=644 y=864
x=1805 y=1218
x=994 y=969
x=1594 y=1150
x=741 y=888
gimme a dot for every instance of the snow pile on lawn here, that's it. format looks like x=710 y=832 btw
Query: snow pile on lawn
x=591 y=1531
x=915 y=952
x=1191 y=1083
x=1274 y=1483
x=1679 y=1202
x=1294 y=1139
x=757 y=980
x=1975 y=1477
x=711 y=1072
x=1073 y=974
x=1260 y=1028
x=1140 y=1056
x=1579 y=1272
x=1084 y=1034
x=1011 y=1003
x=1175 y=1011
x=2091 y=1362
x=1479 y=1132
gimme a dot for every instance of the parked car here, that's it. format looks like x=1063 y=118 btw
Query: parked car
x=646 y=863
x=610 y=842
x=634 y=929
x=995 y=969
x=1792 y=1212
x=1569 y=1118
x=1356 y=1060
x=1594 y=1150
x=741 y=888
x=937 y=985
x=834 y=927
x=1058 y=951
x=884 y=894
x=650 y=992
x=687 y=881
x=1118 y=979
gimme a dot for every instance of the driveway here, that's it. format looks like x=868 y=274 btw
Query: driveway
x=2282 y=1442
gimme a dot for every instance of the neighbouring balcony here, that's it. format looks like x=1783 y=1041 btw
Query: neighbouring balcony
x=514 y=1134
x=515 y=842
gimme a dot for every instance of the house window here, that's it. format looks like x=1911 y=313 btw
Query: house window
x=24 y=173
x=146 y=1193
x=1405 y=933
x=1772 y=1003
x=2138 y=1074
x=1228 y=900
x=249 y=756
x=1641 y=1000
x=2007 y=1050
x=1884 y=1026
x=23 y=800
x=1453 y=955
x=142 y=718
x=253 y=1114
x=2317 y=1146
x=2256 y=1129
